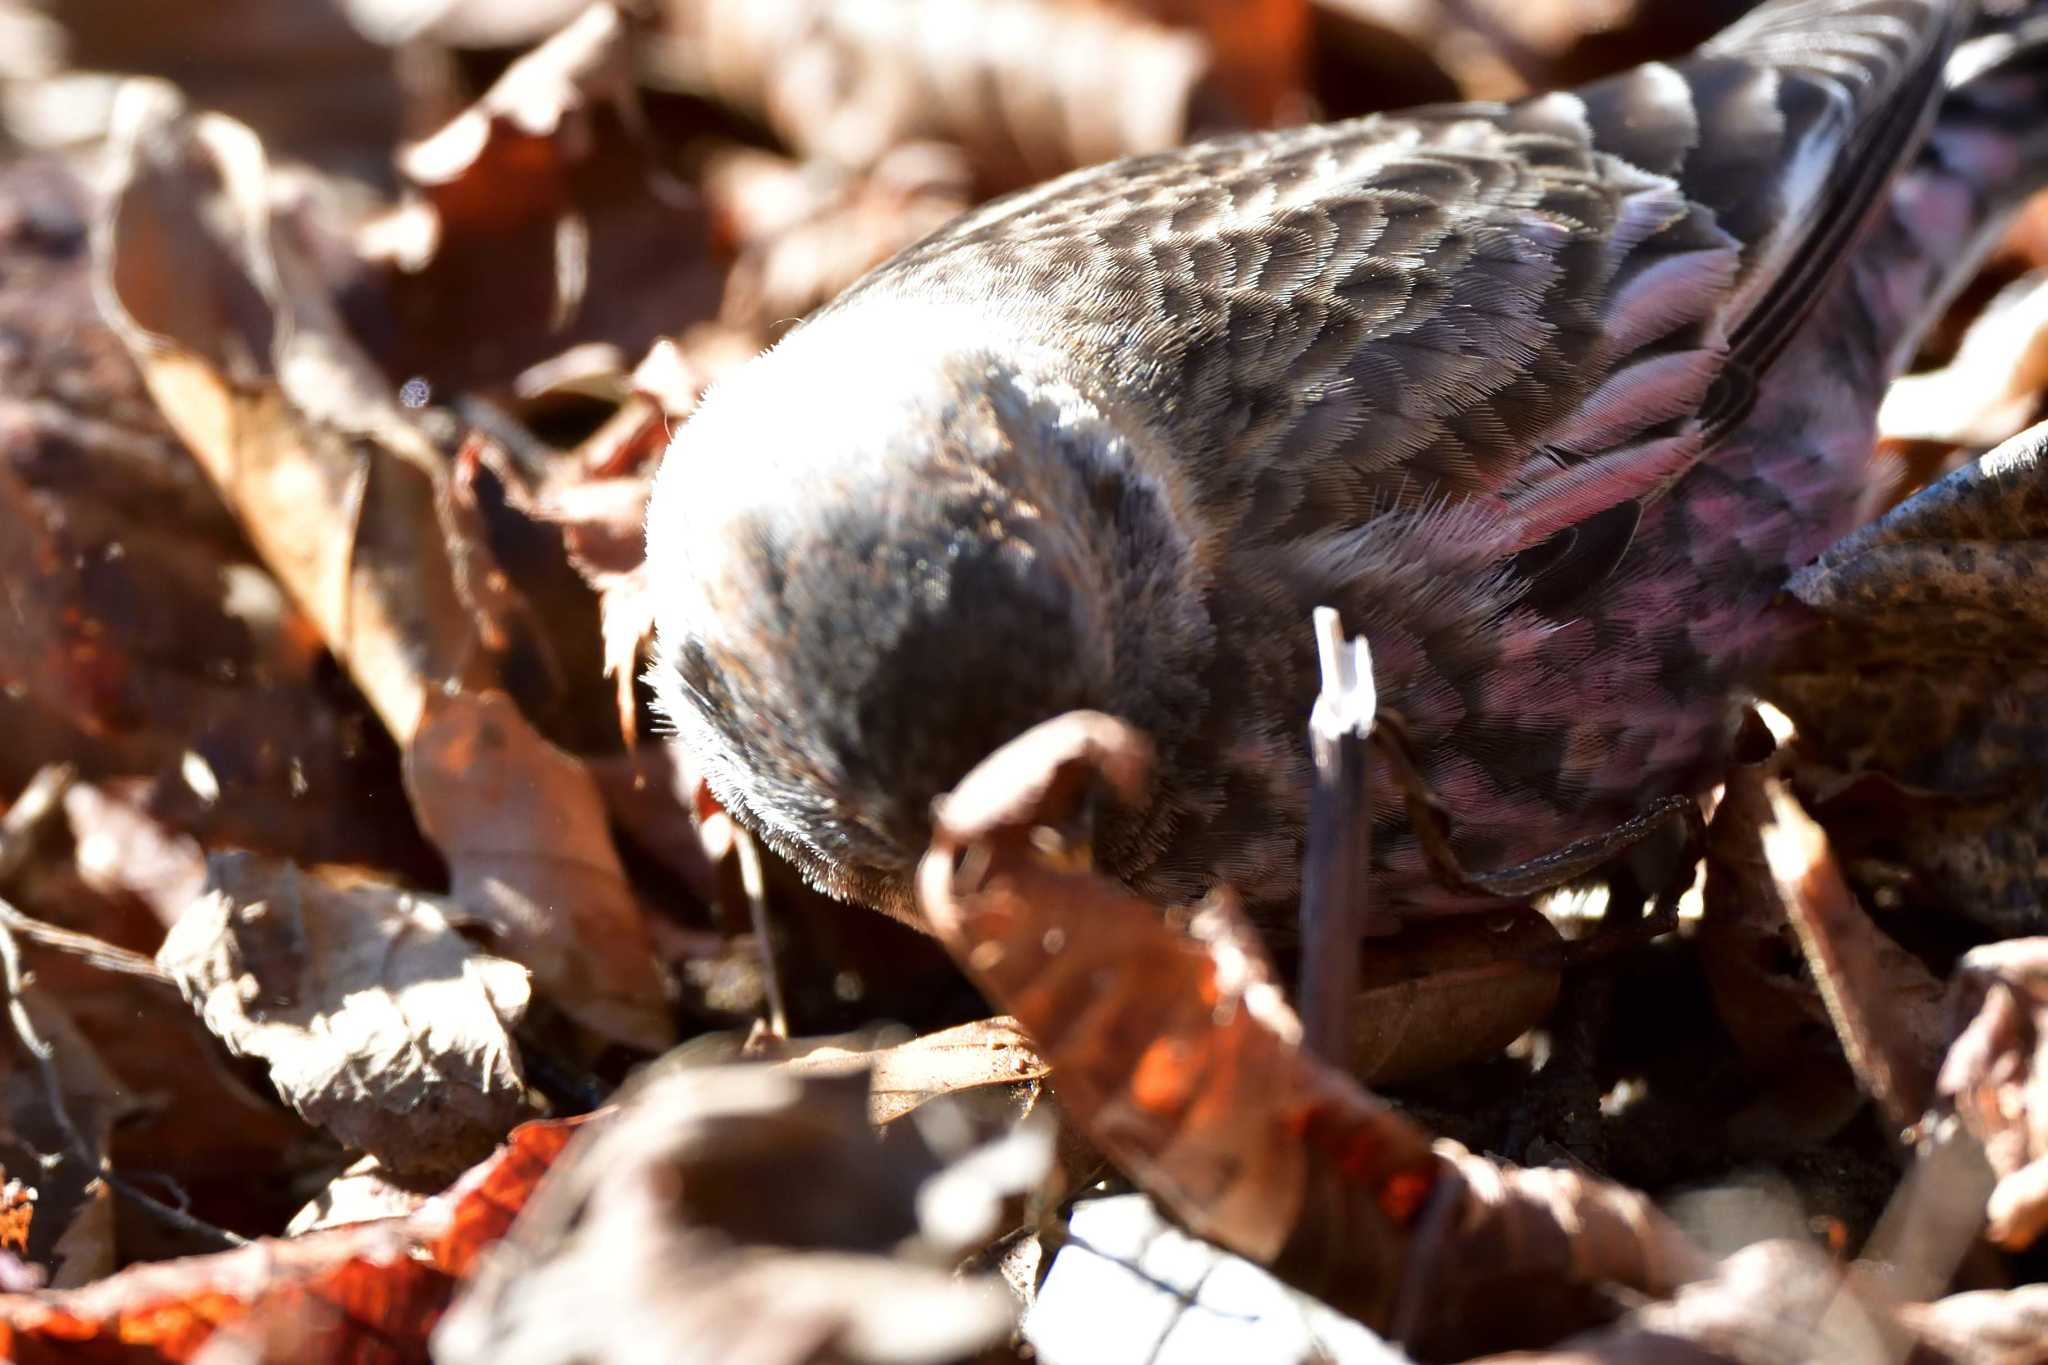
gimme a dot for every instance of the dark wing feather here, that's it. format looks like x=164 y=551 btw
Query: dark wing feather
x=1530 y=304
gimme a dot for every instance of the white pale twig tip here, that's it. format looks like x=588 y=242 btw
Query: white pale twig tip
x=1348 y=699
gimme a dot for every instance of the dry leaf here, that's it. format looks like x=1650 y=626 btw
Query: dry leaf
x=1763 y=994
x=1883 y=1002
x=2006 y=1327
x=121 y=849
x=846 y=82
x=989 y=1055
x=188 y=1117
x=1181 y=1062
x=603 y=526
x=737 y=1213
x=1921 y=694
x=293 y=70
x=1448 y=991
x=1995 y=1079
x=803 y=233
x=59 y=1108
x=540 y=221
x=365 y=1294
x=336 y=487
x=1771 y=1301
x=1992 y=387
x=367 y=1192
x=1260 y=50
x=531 y=858
x=361 y=1286
x=377 y=1020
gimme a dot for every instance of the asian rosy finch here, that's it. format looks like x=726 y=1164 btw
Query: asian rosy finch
x=1547 y=398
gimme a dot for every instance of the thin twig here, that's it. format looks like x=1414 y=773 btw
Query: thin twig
x=53 y=1090
x=1336 y=877
x=755 y=885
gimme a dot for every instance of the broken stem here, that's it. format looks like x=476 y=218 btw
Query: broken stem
x=1335 y=884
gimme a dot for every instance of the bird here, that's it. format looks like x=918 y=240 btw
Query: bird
x=1547 y=398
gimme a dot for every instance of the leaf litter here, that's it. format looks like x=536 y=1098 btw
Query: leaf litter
x=337 y=365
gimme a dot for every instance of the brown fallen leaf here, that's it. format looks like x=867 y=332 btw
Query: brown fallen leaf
x=1884 y=1002
x=366 y=1192
x=1920 y=694
x=602 y=522
x=365 y=1294
x=1448 y=991
x=50 y=656
x=121 y=849
x=531 y=859
x=2001 y=1326
x=846 y=83
x=540 y=219
x=361 y=1285
x=991 y=1056
x=803 y=233
x=1181 y=1062
x=745 y=1213
x=17 y=1215
x=294 y=71
x=1764 y=995
x=1260 y=49
x=1995 y=1078
x=338 y=489
x=1770 y=1301
x=376 y=1019
x=1990 y=390
x=460 y=1224
x=187 y=1118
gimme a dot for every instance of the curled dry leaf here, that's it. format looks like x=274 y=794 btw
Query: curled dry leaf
x=1995 y=1079
x=1921 y=693
x=847 y=82
x=336 y=487
x=734 y=1213
x=531 y=859
x=541 y=221
x=377 y=1020
x=1180 y=1060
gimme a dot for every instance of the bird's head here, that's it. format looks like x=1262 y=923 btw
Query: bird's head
x=875 y=560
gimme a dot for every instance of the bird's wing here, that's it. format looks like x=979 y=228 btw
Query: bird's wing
x=1555 y=305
